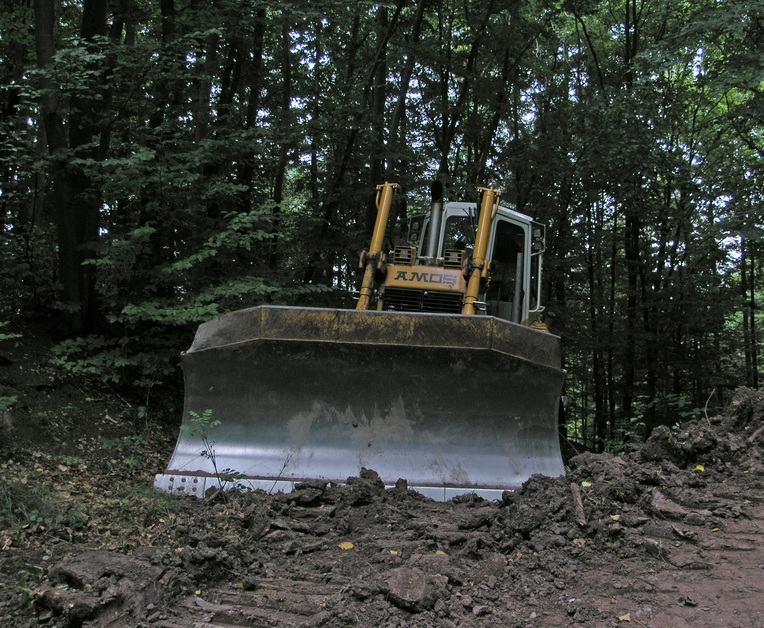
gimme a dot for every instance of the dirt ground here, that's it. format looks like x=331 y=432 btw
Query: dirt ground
x=668 y=535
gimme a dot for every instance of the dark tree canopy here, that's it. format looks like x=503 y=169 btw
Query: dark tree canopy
x=165 y=161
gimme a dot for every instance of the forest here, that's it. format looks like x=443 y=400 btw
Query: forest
x=167 y=161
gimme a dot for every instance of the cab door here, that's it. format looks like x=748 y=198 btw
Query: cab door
x=505 y=293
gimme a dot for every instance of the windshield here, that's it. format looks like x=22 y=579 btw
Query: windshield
x=415 y=229
x=459 y=233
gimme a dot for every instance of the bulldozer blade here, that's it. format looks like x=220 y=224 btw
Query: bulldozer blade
x=453 y=404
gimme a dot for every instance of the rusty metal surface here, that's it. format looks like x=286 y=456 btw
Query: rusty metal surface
x=463 y=402
x=383 y=328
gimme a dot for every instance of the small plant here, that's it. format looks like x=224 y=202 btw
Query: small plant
x=203 y=425
x=131 y=448
x=26 y=580
x=7 y=401
x=35 y=506
x=7 y=398
x=4 y=336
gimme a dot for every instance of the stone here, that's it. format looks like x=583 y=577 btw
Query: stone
x=413 y=590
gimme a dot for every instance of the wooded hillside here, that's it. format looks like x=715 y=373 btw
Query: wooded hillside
x=165 y=161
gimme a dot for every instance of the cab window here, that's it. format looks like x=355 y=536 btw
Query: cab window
x=504 y=294
x=459 y=233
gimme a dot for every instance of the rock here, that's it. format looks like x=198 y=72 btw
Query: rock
x=256 y=520
x=364 y=490
x=438 y=564
x=662 y=445
x=413 y=590
x=306 y=495
x=479 y=611
x=476 y=519
x=319 y=619
x=695 y=519
x=103 y=586
x=667 y=508
x=655 y=547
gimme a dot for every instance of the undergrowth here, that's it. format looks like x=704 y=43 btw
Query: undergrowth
x=26 y=503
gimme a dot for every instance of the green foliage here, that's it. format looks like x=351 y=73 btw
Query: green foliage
x=94 y=355
x=132 y=449
x=203 y=426
x=7 y=401
x=138 y=363
x=25 y=581
x=27 y=502
x=112 y=360
x=8 y=396
x=232 y=154
x=4 y=336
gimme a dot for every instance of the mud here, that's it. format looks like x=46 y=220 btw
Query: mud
x=668 y=535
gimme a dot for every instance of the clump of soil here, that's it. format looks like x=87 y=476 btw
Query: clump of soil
x=669 y=534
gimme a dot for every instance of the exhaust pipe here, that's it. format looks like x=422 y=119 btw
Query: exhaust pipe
x=436 y=218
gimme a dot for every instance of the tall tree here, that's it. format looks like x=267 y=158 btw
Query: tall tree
x=76 y=197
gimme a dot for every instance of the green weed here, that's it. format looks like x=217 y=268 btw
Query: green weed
x=131 y=448
x=202 y=428
x=34 y=503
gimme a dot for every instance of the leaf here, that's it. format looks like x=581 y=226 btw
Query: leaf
x=346 y=545
x=586 y=484
x=626 y=617
x=615 y=517
x=440 y=553
x=700 y=467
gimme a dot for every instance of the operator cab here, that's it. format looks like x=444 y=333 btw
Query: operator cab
x=515 y=251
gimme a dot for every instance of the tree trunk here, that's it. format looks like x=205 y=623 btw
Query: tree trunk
x=452 y=122
x=281 y=165
x=396 y=138
x=600 y=431
x=752 y=307
x=631 y=252
x=254 y=77
x=379 y=93
x=77 y=199
x=746 y=278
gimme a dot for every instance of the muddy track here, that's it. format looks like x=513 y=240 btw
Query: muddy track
x=689 y=575
x=666 y=535
x=704 y=575
x=276 y=602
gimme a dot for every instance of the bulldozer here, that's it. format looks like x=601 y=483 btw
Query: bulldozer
x=446 y=374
